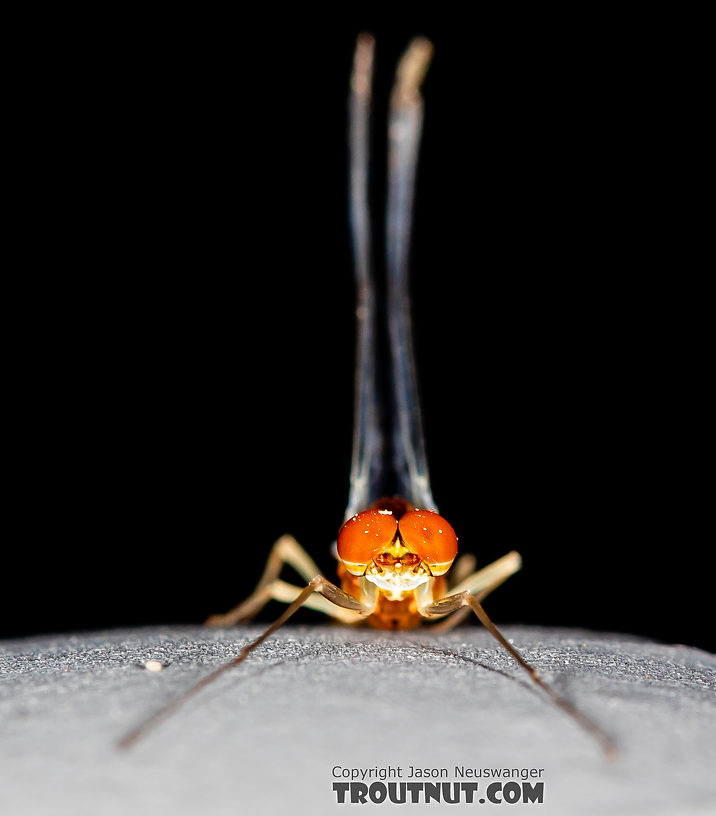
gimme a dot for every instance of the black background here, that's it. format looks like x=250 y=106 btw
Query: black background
x=180 y=379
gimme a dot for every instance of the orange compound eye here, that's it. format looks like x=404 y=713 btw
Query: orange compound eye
x=363 y=535
x=427 y=534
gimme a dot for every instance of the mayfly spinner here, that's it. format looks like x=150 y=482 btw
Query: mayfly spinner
x=394 y=550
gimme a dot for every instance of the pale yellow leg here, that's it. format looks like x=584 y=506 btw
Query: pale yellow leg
x=491 y=576
x=287 y=593
x=462 y=568
x=480 y=584
x=285 y=551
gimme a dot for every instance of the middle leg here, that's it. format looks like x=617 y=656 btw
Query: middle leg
x=286 y=551
x=480 y=584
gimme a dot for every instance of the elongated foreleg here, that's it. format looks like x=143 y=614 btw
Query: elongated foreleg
x=452 y=603
x=317 y=584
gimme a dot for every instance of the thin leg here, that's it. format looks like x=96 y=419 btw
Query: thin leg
x=454 y=602
x=481 y=584
x=317 y=584
x=490 y=577
x=285 y=551
x=451 y=621
x=287 y=593
x=465 y=565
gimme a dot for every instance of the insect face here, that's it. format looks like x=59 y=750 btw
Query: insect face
x=397 y=554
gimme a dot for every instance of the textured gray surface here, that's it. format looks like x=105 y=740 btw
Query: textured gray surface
x=268 y=734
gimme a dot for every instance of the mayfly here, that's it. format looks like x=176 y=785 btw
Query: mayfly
x=394 y=550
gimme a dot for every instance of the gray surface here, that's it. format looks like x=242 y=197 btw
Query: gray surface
x=269 y=733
